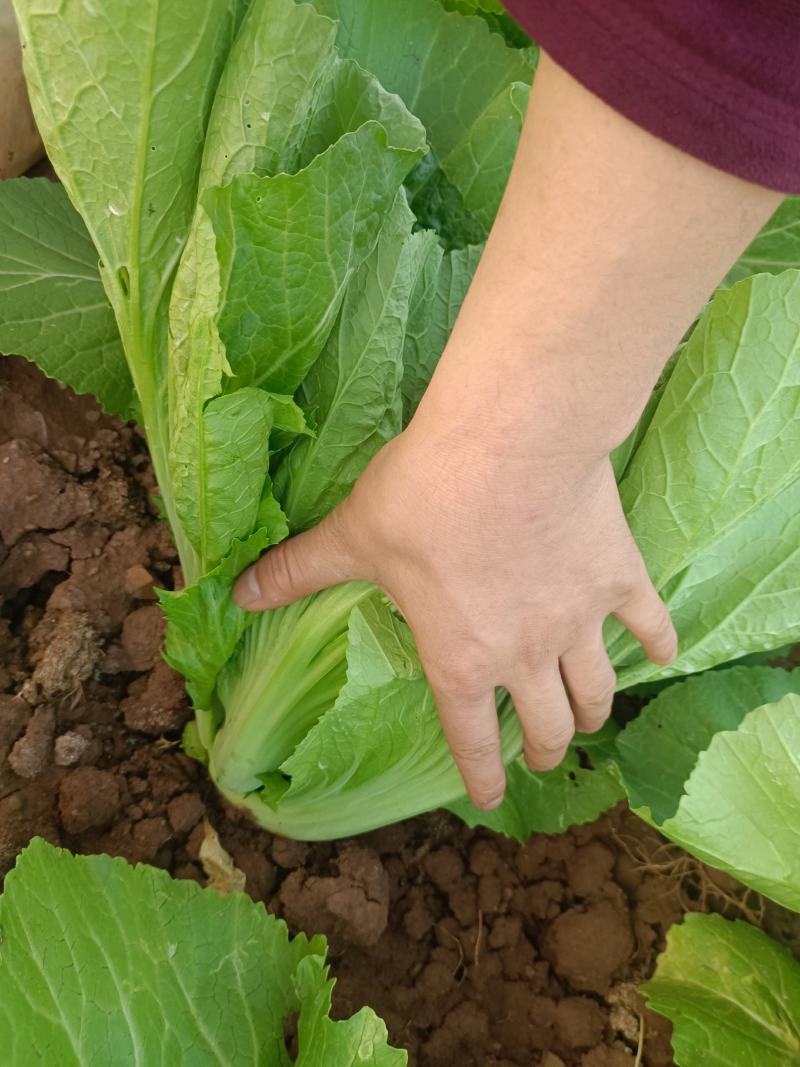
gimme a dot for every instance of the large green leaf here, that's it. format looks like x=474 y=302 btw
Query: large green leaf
x=105 y=963
x=122 y=94
x=732 y=993
x=352 y=394
x=729 y=414
x=268 y=91
x=776 y=248
x=454 y=75
x=289 y=245
x=737 y=599
x=658 y=750
x=53 y=308
x=741 y=807
x=286 y=95
x=551 y=802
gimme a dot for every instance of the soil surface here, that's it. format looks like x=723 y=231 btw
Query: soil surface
x=475 y=950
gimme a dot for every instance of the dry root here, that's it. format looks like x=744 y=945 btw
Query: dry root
x=697 y=887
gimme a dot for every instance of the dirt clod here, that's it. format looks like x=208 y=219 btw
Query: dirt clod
x=351 y=906
x=88 y=798
x=157 y=703
x=31 y=753
x=588 y=946
x=143 y=636
x=184 y=812
x=69 y=748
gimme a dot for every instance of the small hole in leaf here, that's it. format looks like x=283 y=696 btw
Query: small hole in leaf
x=152 y=148
x=124 y=281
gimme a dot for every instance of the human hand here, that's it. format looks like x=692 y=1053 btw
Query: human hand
x=505 y=563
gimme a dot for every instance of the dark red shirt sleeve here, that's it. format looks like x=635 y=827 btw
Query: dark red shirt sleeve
x=719 y=79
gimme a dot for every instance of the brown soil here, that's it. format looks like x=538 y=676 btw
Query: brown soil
x=475 y=950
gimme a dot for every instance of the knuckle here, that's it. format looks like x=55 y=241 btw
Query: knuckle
x=662 y=622
x=553 y=742
x=464 y=679
x=487 y=798
x=475 y=749
x=599 y=699
x=533 y=652
x=281 y=571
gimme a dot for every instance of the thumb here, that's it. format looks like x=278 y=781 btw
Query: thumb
x=296 y=568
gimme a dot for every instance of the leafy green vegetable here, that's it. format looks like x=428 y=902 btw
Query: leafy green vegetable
x=472 y=120
x=729 y=415
x=732 y=994
x=741 y=807
x=714 y=762
x=256 y=180
x=105 y=963
x=658 y=751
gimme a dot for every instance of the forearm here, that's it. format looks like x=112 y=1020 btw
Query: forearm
x=607 y=244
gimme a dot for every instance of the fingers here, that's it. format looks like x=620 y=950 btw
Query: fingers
x=297 y=567
x=470 y=724
x=546 y=718
x=645 y=615
x=590 y=681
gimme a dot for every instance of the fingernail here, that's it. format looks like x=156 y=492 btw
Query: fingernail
x=490 y=805
x=247 y=591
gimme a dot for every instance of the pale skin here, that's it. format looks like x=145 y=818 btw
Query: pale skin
x=493 y=521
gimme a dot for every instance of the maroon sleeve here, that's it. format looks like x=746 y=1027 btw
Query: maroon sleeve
x=719 y=79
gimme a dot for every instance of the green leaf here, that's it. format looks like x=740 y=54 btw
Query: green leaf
x=310 y=230
x=658 y=750
x=53 y=308
x=286 y=96
x=236 y=431
x=267 y=91
x=741 y=807
x=732 y=994
x=105 y=963
x=106 y=85
x=439 y=206
x=551 y=802
x=623 y=453
x=451 y=72
x=361 y=1039
x=737 y=599
x=729 y=414
x=286 y=673
x=378 y=755
x=203 y=623
x=479 y=164
x=352 y=393
x=495 y=16
x=435 y=304
x=775 y=249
